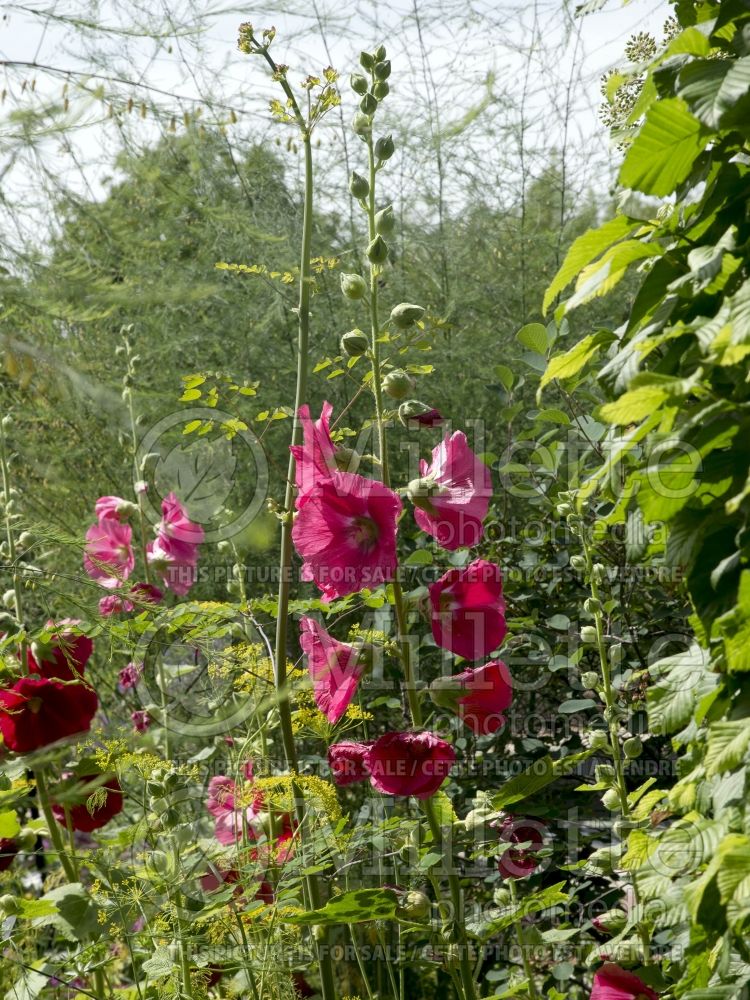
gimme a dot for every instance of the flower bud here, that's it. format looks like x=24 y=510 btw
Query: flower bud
x=9 y=598
x=599 y=572
x=380 y=90
x=502 y=897
x=358 y=185
x=7 y=421
x=382 y=70
x=616 y=654
x=362 y=124
x=368 y=105
x=397 y=384
x=598 y=739
x=355 y=343
x=590 y=679
x=405 y=314
x=414 y=906
x=633 y=748
x=9 y=905
x=604 y=774
x=578 y=563
x=611 y=922
x=27 y=839
x=25 y=539
x=415 y=410
x=366 y=60
x=319 y=932
x=353 y=286
x=592 y=605
x=611 y=799
x=377 y=251
x=358 y=83
x=384 y=147
x=563 y=509
x=588 y=634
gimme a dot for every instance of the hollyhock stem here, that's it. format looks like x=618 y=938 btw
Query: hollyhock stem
x=54 y=829
x=374 y=320
x=610 y=699
x=11 y=539
x=136 y=471
x=528 y=971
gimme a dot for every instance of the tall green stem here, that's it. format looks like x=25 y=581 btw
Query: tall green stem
x=527 y=967
x=54 y=829
x=11 y=539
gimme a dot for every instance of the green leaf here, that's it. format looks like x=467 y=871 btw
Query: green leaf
x=189 y=395
x=419 y=557
x=353 y=907
x=160 y=965
x=681 y=681
x=569 y=364
x=585 y=249
x=75 y=914
x=503 y=917
x=663 y=152
x=734 y=628
x=727 y=744
x=541 y=773
x=602 y=276
x=505 y=375
x=533 y=336
x=9 y=825
x=712 y=87
x=443 y=809
x=634 y=405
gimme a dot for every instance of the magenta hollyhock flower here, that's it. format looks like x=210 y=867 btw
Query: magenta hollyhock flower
x=37 y=711
x=613 y=983
x=479 y=695
x=113 y=507
x=452 y=496
x=410 y=763
x=348 y=762
x=335 y=668
x=184 y=535
x=141 y=721
x=129 y=676
x=114 y=604
x=64 y=656
x=146 y=593
x=468 y=610
x=518 y=862
x=316 y=457
x=108 y=556
x=220 y=803
x=175 y=564
x=345 y=531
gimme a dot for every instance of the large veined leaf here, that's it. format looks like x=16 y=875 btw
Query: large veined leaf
x=727 y=745
x=505 y=916
x=734 y=628
x=541 y=773
x=602 y=276
x=635 y=405
x=569 y=364
x=712 y=87
x=681 y=681
x=350 y=908
x=585 y=249
x=663 y=152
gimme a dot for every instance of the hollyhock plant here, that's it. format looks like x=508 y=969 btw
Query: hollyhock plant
x=146 y=593
x=184 y=534
x=108 y=556
x=468 y=610
x=335 y=668
x=613 y=983
x=129 y=676
x=410 y=763
x=114 y=604
x=114 y=508
x=345 y=531
x=316 y=457
x=36 y=712
x=141 y=721
x=479 y=695
x=453 y=493
x=8 y=851
x=348 y=762
x=79 y=815
x=518 y=862
x=64 y=656
x=177 y=572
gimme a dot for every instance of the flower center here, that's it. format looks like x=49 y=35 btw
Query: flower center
x=364 y=532
x=34 y=705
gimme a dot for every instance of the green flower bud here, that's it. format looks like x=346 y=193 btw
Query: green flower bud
x=368 y=105
x=25 y=539
x=9 y=598
x=353 y=286
x=413 y=409
x=592 y=605
x=588 y=633
x=27 y=839
x=358 y=83
x=616 y=654
x=590 y=679
x=384 y=148
x=382 y=70
x=633 y=748
x=604 y=774
x=613 y=921
x=358 y=185
x=405 y=314
x=604 y=859
x=598 y=739
x=380 y=90
x=9 y=905
x=611 y=799
x=414 y=906
x=319 y=932
x=366 y=60
x=599 y=572
x=397 y=384
x=379 y=53
x=346 y=459
x=385 y=221
x=502 y=897
x=362 y=124
x=377 y=251
x=563 y=509
x=355 y=343
x=578 y=563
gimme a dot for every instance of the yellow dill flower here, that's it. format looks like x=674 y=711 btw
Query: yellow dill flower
x=356 y=714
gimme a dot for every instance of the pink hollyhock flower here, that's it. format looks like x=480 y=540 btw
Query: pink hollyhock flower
x=452 y=495
x=613 y=983
x=113 y=507
x=335 y=668
x=468 y=610
x=479 y=695
x=141 y=721
x=345 y=531
x=146 y=593
x=348 y=762
x=108 y=556
x=184 y=535
x=129 y=676
x=36 y=712
x=113 y=604
x=221 y=804
x=410 y=763
x=316 y=458
x=522 y=861
x=175 y=564
x=64 y=656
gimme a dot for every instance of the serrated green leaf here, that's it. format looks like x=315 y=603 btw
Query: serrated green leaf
x=662 y=154
x=727 y=744
x=585 y=249
x=541 y=773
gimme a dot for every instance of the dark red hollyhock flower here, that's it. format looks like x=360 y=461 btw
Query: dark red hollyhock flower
x=613 y=983
x=8 y=851
x=301 y=985
x=520 y=862
x=348 y=762
x=146 y=593
x=410 y=763
x=36 y=712
x=80 y=817
x=468 y=610
x=63 y=657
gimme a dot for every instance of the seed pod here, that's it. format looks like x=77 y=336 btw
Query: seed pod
x=380 y=90
x=377 y=251
x=355 y=343
x=358 y=83
x=353 y=286
x=592 y=605
x=382 y=70
x=358 y=185
x=588 y=634
x=398 y=384
x=611 y=799
x=385 y=148
x=598 y=739
x=415 y=906
x=366 y=60
x=385 y=221
x=405 y=314
x=633 y=748
x=362 y=124
x=369 y=104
